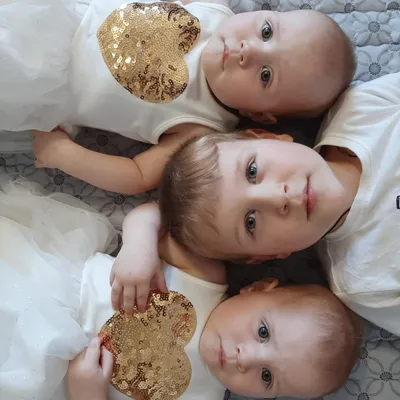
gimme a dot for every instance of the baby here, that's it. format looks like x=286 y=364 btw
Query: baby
x=234 y=196
x=159 y=73
x=189 y=344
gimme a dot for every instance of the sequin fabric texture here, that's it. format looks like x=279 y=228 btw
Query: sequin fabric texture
x=143 y=46
x=149 y=358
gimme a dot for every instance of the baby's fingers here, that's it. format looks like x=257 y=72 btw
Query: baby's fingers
x=77 y=361
x=92 y=355
x=107 y=362
x=129 y=297
x=142 y=295
x=116 y=293
x=160 y=283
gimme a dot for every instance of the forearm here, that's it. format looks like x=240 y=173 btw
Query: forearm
x=113 y=173
x=207 y=270
x=143 y=225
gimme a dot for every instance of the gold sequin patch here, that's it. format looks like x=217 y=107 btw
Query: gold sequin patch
x=149 y=358
x=143 y=46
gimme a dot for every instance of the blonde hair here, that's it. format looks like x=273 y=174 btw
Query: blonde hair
x=189 y=189
x=338 y=333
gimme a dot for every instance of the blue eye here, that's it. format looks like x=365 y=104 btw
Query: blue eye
x=266 y=31
x=266 y=376
x=250 y=222
x=263 y=332
x=252 y=171
x=265 y=75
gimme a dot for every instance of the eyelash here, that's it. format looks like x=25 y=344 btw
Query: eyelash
x=267 y=384
x=250 y=232
x=265 y=69
x=270 y=32
x=263 y=325
x=251 y=180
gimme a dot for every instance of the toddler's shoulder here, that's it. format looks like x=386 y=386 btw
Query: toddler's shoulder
x=384 y=90
x=362 y=104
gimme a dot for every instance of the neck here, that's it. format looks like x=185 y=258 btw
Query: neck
x=347 y=168
x=219 y=102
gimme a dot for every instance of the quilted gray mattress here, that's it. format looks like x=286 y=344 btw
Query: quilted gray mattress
x=374 y=28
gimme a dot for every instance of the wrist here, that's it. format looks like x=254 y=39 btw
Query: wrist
x=68 y=155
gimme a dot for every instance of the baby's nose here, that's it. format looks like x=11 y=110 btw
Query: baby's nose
x=248 y=357
x=249 y=51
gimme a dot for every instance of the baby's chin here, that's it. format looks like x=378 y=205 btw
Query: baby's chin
x=211 y=58
x=210 y=52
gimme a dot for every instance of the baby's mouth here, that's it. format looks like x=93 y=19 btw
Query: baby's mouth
x=221 y=355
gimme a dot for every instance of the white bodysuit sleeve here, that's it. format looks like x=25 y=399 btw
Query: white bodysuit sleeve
x=381 y=308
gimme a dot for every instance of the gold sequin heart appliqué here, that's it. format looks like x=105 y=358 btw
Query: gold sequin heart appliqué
x=143 y=46
x=149 y=358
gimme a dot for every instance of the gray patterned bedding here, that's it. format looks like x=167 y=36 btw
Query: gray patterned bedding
x=374 y=28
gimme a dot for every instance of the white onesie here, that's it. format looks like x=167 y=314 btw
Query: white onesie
x=204 y=297
x=131 y=68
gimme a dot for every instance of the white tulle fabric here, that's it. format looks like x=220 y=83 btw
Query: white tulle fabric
x=35 y=42
x=45 y=240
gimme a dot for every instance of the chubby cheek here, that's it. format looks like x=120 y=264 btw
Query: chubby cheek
x=238 y=325
x=245 y=385
x=238 y=90
x=231 y=28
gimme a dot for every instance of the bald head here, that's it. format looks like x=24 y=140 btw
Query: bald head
x=319 y=63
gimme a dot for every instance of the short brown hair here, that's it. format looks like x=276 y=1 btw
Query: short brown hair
x=337 y=341
x=189 y=189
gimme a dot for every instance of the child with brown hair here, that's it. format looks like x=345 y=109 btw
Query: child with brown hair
x=238 y=197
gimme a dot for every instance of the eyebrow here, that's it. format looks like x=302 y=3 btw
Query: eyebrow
x=238 y=166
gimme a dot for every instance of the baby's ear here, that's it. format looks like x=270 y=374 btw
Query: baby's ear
x=266 y=285
x=260 y=259
x=263 y=116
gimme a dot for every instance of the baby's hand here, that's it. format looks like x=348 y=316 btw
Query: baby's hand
x=48 y=147
x=134 y=269
x=90 y=373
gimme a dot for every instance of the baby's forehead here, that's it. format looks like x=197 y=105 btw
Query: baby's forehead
x=230 y=151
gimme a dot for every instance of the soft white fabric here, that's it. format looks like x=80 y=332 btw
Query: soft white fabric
x=45 y=242
x=52 y=71
x=363 y=256
x=55 y=293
